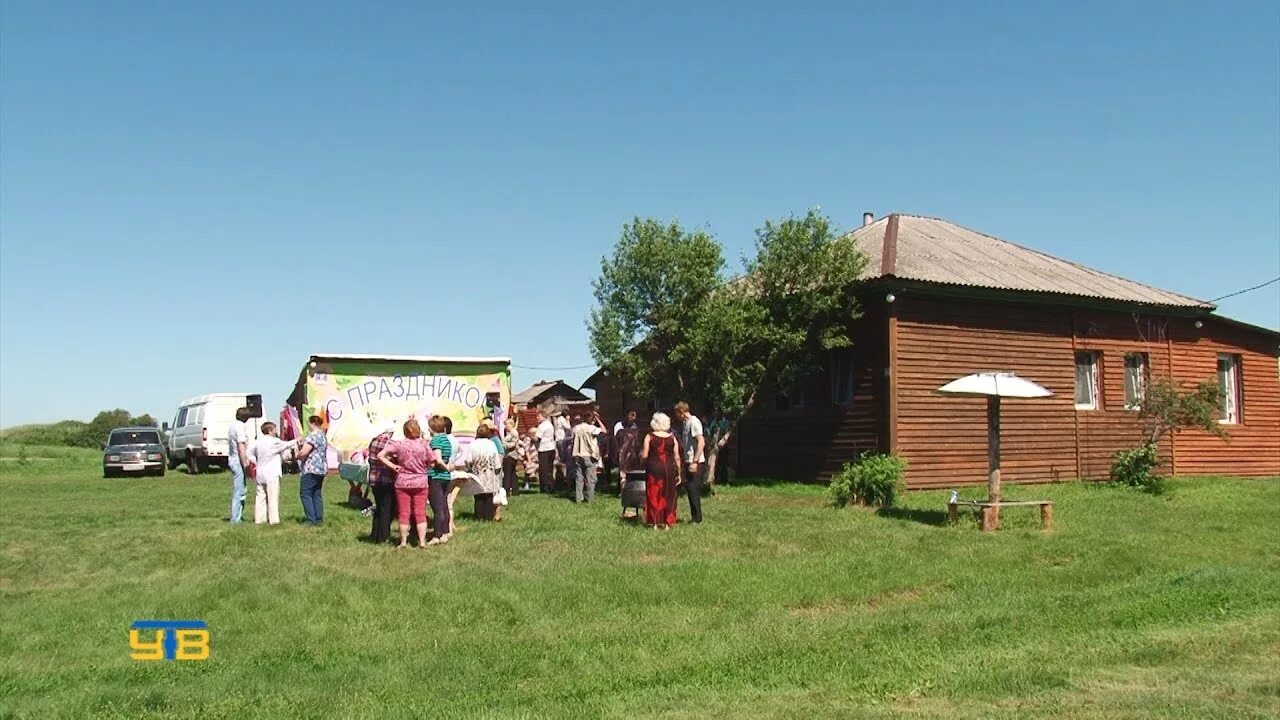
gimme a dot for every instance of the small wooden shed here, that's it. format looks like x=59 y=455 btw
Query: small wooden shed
x=547 y=393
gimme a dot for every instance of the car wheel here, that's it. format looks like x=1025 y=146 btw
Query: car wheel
x=172 y=462
x=193 y=462
x=106 y=474
x=158 y=472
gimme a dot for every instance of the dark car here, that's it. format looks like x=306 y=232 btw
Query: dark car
x=133 y=450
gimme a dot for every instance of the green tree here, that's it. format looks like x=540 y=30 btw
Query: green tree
x=95 y=433
x=665 y=321
x=1166 y=408
x=76 y=433
x=648 y=297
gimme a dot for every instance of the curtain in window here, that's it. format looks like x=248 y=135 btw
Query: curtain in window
x=1228 y=380
x=1135 y=378
x=1086 y=390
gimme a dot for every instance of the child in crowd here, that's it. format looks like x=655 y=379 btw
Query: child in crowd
x=266 y=453
x=564 y=449
x=439 y=478
x=529 y=451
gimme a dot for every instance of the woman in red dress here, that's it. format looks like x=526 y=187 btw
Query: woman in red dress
x=660 y=454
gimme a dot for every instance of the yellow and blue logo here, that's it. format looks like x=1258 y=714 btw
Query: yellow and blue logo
x=173 y=640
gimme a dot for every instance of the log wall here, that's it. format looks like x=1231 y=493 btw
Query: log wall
x=1046 y=440
x=935 y=340
x=1253 y=448
x=811 y=443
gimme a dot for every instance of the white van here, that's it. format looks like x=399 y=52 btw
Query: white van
x=198 y=436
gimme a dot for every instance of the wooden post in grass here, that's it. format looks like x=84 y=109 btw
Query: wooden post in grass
x=993 y=385
x=993 y=448
x=991 y=515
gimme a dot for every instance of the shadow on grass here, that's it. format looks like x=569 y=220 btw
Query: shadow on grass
x=346 y=505
x=937 y=518
x=758 y=482
x=635 y=521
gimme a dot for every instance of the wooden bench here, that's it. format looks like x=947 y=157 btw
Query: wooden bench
x=991 y=511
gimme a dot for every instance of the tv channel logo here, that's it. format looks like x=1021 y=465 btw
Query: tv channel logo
x=173 y=640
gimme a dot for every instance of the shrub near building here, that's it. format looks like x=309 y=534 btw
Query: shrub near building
x=1166 y=408
x=874 y=480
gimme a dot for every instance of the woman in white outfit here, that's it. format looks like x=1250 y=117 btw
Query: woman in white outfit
x=481 y=466
x=266 y=454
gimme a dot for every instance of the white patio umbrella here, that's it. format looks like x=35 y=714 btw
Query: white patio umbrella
x=994 y=385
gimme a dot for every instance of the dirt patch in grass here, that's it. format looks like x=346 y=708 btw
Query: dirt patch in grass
x=19 y=550
x=1055 y=560
x=902 y=596
x=879 y=601
x=552 y=547
x=817 y=611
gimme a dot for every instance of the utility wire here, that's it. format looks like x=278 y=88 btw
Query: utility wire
x=567 y=367
x=1272 y=281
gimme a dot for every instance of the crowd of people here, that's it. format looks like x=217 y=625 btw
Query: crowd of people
x=431 y=469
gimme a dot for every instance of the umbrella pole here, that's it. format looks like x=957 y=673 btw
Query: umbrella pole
x=991 y=515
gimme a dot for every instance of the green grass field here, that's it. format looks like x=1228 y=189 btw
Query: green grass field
x=777 y=606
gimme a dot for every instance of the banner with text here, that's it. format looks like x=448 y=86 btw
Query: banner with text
x=358 y=400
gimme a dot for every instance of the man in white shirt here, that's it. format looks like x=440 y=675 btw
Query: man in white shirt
x=546 y=451
x=237 y=459
x=630 y=422
x=693 y=445
x=267 y=453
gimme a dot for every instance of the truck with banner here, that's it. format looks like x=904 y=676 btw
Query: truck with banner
x=360 y=396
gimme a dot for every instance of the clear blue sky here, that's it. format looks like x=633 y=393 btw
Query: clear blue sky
x=195 y=199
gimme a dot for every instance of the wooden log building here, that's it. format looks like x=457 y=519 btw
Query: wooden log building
x=547 y=394
x=941 y=301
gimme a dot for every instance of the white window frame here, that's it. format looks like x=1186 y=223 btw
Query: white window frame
x=1135 y=382
x=1229 y=379
x=1094 y=358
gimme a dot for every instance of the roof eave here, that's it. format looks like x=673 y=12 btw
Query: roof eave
x=590 y=382
x=927 y=287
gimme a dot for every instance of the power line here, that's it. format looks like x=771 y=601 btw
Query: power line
x=567 y=367
x=1272 y=281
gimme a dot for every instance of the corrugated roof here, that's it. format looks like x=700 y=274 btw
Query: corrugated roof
x=531 y=394
x=927 y=249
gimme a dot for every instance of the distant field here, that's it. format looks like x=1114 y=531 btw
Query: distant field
x=1137 y=606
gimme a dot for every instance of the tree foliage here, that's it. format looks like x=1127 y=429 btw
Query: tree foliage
x=75 y=433
x=795 y=302
x=648 y=297
x=1166 y=408
x=667 y=324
